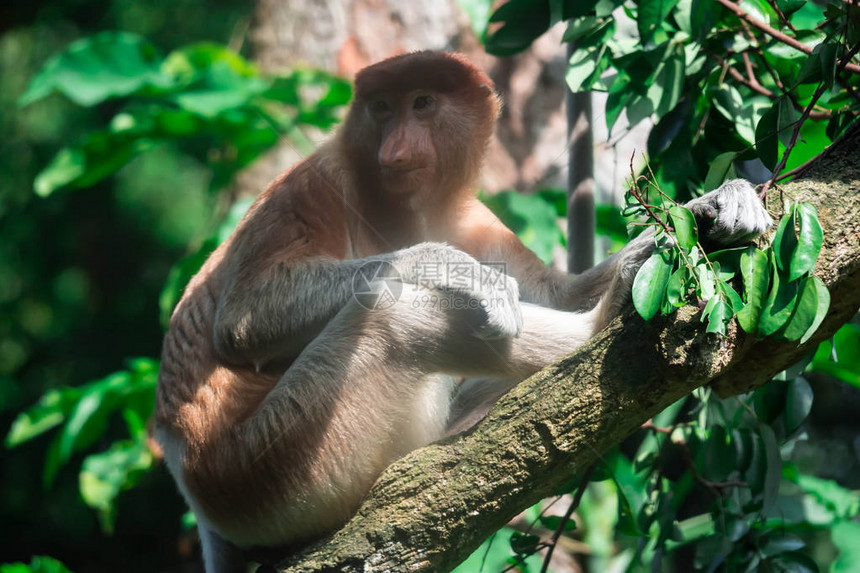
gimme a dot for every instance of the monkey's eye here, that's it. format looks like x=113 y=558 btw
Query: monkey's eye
x=422 y=102
x=380 y=106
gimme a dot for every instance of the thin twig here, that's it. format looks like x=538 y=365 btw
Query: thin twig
x=777 y=35
x=580 y=491
x=796 y=132
x=782 y=16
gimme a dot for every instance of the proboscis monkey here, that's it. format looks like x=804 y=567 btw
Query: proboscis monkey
x=323 y=339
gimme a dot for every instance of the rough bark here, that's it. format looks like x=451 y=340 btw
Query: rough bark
x=431 y=508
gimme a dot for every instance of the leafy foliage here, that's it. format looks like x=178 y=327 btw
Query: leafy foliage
x=723 y=83
x=82 y=414
x=751 y=89
x=780 y=296
x=202 y=91
x=208 y=99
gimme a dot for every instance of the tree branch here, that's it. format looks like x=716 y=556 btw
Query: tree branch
x=776 y=34
x=430 y=509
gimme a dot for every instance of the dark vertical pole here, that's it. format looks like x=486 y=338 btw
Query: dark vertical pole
x=580 y=183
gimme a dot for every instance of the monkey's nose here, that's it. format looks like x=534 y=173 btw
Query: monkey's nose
x=396 y=157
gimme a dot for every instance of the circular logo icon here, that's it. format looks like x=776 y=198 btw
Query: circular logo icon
x=376 y=285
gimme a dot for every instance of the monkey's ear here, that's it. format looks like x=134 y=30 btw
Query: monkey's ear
x=485 y=89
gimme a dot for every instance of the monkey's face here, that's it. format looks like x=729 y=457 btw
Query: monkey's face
x=406 y=155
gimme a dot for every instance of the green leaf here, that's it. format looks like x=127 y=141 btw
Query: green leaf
x=553 y=522
x=697 y=527
x=732 y=297
x=777 y=124
x=649 y=286
x=780 y=542
x=842 y=361
x=52 y=409
x=720 y=454
x=785 y=239
x=754 y=270
x=525 y=21
x=38 y=564
x=794 y=562
x=676 y=288
x=719 y=314
x=532 y=217
x=822 y=298
x=773 y=474
x=820 y=65
x=104 y=475
x=524 y=543
x=101 y=154
x=670 y=77
x=103 y=66
x=766 y=142
x=845 y=535
x=809 y=244
x=581 y=27
x=788 y=117
x=842 y=502
x=652 y=13
x=805 y=311
x=718 y=170
x=769 y=400
x=780 y=304
x=178 y=278
x=585 y=67
x=798 y=404
x=684 y=224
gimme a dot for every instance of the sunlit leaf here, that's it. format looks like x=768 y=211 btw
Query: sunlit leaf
x=38 y=564
x=684 y=224
x=103 y=476
x=718 y=170
x=754 y=270
x=766 y=135
x=651 y=14
x=809 y=243
x=532 y=217
x=52 y=409
x=780 y=303
x=823 y=305
x=676 y=288
x=798 y=403
x=845 y=535
x=785 y=239
x=649 y=286
x=93 y=69
x=718 y=316
x=805 y=311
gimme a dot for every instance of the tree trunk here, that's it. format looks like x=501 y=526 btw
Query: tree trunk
x=430 y=509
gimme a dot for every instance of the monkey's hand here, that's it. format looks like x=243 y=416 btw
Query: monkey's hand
x=730 y=215
x=484 y=295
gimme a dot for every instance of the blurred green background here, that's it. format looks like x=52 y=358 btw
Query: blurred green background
x=81 y=273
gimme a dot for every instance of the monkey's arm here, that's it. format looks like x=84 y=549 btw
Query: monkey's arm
x=730 y=215
x=270 y=311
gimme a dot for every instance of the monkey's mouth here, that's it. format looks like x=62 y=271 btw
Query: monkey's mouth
x=402 y=171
